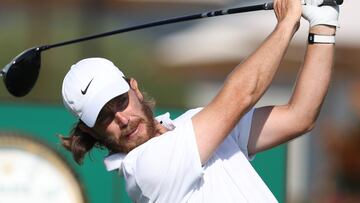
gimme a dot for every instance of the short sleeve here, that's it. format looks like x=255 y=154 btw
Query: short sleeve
x=165 y=168
x=241 y=133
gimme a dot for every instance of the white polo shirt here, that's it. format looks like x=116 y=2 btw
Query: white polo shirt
x=167 y=168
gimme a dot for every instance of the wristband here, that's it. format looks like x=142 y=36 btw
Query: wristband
x=321 y=39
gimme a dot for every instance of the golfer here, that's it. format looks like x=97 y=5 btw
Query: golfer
x=203 y=155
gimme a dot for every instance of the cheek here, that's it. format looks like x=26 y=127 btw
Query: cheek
x=108 y=130
x=112 y=129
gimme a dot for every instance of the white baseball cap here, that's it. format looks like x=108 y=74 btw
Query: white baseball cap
x=89 y=85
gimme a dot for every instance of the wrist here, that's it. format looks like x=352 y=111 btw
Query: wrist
x=323 y=30
x=321 y=39
x=288 y=26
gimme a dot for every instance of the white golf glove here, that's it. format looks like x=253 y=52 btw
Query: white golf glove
x=320 y=15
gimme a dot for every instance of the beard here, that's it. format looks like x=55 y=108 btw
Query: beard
x=122 y=144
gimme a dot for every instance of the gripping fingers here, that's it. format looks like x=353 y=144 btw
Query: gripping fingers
x=321 y=15
x=289 y=10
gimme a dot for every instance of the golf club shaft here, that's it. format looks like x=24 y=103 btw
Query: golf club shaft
x=265 y=6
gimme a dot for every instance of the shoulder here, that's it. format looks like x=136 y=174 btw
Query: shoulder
x=170 y=160
x=156 y=154
x=188 y=115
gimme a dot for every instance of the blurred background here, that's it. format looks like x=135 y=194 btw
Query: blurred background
x=182 y=66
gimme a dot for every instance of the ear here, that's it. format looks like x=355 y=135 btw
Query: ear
x=134 y=86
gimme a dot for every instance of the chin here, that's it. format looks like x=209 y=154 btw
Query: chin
x=133 y=144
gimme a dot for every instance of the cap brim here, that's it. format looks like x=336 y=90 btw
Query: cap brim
x=94 y=105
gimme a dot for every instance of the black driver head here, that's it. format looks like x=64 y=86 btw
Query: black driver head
x=21 y=74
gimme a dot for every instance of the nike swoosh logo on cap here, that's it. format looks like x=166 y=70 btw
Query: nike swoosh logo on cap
x=84 y=91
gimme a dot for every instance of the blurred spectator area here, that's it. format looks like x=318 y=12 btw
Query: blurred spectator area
x=183 y=65
x=204 y=51
x=26 y=24
x=340 y=143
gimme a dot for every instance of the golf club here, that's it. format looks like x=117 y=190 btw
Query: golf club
x=21 y=74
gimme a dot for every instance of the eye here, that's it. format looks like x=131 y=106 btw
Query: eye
x=107 y=113
x=123 y=102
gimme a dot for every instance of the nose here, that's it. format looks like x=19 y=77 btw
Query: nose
x=121 y=118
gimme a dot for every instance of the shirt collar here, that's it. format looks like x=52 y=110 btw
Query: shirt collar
x=115 y=161
x=166 y=121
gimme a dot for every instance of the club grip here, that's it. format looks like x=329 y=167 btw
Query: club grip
x=270 y=5
x=332 y=2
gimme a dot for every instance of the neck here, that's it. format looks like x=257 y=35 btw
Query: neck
x=160 y=129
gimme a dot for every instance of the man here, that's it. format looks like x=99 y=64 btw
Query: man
x=202 y=156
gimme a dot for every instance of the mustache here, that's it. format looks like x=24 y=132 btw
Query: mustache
x=131 y=126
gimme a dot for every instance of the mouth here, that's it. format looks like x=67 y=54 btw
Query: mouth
x=133 y=132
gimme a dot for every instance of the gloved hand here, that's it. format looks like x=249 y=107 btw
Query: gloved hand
x=320 y=15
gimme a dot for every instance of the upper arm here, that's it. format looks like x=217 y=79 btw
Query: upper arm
x=274 y=125
x=213 y=123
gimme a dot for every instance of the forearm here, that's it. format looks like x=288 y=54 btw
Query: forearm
x=246 y=83
x=241 y=90
x=268 y=129
x=253 y=76
x=314 y=79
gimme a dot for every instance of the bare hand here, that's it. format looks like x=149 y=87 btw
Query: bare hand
x=288 y=11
